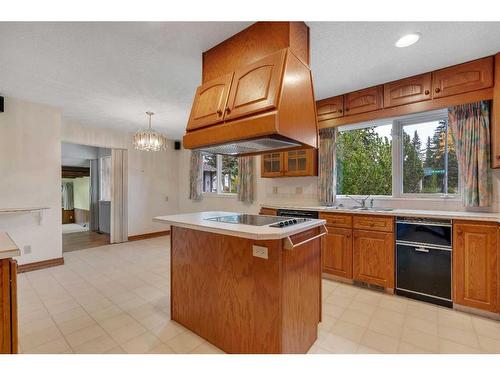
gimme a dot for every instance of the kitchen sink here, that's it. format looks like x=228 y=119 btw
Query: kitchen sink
x=359 y=208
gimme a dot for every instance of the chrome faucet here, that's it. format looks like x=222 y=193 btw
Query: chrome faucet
x=362 y=201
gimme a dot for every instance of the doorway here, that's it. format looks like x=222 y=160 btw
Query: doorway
x=85 y=196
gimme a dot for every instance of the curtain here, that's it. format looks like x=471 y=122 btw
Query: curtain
x=67 y=195
x=327 y=187
x=119 y=194
x=246 y=178
x=196 y=176
x=470 y=124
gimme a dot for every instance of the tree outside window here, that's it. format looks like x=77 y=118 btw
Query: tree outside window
x=419 y=160
x=220 y=174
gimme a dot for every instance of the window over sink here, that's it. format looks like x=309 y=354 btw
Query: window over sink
x=400 y=157
x=220 y=174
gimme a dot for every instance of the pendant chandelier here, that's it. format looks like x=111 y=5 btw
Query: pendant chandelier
x=150 y=139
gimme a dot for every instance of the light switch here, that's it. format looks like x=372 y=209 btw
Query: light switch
x=259 y=251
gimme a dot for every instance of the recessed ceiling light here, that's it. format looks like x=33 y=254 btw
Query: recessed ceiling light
x=407 y=40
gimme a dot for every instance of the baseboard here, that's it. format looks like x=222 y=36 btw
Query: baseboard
x=40 y=265
x=144 y=236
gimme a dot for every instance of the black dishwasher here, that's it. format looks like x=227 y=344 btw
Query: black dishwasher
x=423 y=259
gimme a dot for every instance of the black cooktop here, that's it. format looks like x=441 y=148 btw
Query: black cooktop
x=257 y=220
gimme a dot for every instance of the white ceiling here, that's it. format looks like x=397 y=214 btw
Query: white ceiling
x=109 y=74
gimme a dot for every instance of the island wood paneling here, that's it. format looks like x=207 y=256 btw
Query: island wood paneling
x=301 y=295
x=242 y=303
x=8 y=307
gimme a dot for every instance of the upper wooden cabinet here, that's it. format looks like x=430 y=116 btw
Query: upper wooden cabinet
x=210 y=102
x=373 y=257
x=366 y=100
x=256 y=87
x=272 y=165
x=301 y=163
x=471 y=76
x=475 y=262
x=336 y=250
x=327 y=109
x=408 y=90
x=294 y=163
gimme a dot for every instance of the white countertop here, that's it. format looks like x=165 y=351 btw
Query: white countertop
x=464 y=215
x=197 y=220
x=8 y=248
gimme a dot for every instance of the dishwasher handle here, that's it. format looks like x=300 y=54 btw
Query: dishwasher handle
x=421 y=249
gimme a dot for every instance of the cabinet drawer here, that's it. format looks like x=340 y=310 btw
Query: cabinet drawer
x=337 y=220
x=268 y=211
x=372 y=222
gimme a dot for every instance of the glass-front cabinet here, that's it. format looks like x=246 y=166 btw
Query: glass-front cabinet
x=290 y=163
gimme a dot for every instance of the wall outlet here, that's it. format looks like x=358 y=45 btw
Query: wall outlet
x=299 y=190
x=275 y=190
x=27 y=249
x=259 y=251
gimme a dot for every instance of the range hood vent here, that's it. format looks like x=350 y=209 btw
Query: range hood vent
x=250 y=147
x=256 y=94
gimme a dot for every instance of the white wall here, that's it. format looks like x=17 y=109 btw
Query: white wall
x=30 y=170
x=152 y=176
x=301 y=191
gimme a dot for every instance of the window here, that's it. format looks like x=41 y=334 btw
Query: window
x=430 y=164
x=220 y=174
x=364 y=160
x=105 y=178
x=411 y=155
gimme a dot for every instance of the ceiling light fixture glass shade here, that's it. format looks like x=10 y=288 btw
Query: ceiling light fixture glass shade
x=407 y=40
x=150 y=139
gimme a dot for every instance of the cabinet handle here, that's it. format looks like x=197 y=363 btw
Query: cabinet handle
x=228 y=110
x=340 y=111
x=219 y=112
x=437 y=89
x=347 y=109
x=427 y=92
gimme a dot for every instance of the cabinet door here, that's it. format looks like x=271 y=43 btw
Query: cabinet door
x=373 y=257
x=271 y=165
x=209 y=102
x=256 y=87
x=475 y=274
x=408 y=90
x=300 y=163
x=365 y=100
x=336 y=250
x=471 y=76
x=327 y=109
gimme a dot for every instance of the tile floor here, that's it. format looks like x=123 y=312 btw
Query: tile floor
x=114 y=299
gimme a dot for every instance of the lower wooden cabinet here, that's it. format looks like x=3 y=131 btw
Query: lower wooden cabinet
x=8 y=306
x=337 y=252
x=475 y=265
x=373 y=257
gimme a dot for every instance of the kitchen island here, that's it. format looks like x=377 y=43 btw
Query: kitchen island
x=246 y=288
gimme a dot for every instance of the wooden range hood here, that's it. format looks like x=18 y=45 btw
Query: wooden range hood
x=257 y=94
